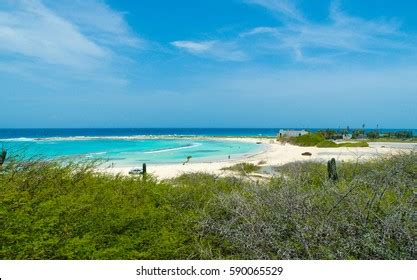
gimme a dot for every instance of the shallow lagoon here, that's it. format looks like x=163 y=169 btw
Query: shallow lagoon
x=125 y=152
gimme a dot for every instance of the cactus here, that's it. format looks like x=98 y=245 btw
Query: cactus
x=3 y=157
x=331 y=170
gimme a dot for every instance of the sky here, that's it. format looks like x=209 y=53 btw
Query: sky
x=217 y=63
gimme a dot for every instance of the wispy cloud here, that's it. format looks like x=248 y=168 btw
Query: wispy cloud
x=342 y=35
x=304 y=40
x=194 y=47
x=225 y=51
x=260 y=30
x=55 y=36
x=285 y=8
x=98 y=20
x=32 y=30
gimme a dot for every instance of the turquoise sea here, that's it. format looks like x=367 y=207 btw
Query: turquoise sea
x=122 y=146
x=129 y=151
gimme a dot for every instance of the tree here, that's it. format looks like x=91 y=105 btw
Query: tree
x=372 y=134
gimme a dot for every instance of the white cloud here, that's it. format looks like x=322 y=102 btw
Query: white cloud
x=342 y=35
x=194 y=47
x=285 y=8
x=32 y=31
x=35 y=31
x=260 y=30
x=225 y=51
x=96 y=19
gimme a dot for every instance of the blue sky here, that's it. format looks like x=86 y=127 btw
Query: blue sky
x=218 y=63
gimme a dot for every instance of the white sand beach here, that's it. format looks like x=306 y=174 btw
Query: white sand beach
x=273 y=153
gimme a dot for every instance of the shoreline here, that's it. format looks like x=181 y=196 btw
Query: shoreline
x=273 y=153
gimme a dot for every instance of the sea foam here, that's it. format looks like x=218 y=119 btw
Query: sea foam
x=173 y=149
x=20 y=139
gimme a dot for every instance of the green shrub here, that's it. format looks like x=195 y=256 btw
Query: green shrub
x=367 y=214
x=307 y=140
x=331 y=144
x=327 y=144
x=406 y=134
x=51 y=210
x=243 y=168
x=354 y=144
x=372 y=134
x=359 y=133
x=318 y=139
x=329 y=133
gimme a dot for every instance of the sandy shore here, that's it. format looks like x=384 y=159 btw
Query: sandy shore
x=273 y=153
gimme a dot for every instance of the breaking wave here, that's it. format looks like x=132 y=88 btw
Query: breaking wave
x=21 y=139
x=173 y=149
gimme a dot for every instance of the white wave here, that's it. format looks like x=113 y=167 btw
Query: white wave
x=90 y=155
x=98 y=153
x=86 y=138
x=173 y=149
x=21 y=139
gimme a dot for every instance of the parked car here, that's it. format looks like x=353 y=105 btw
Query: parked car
x=136 y=171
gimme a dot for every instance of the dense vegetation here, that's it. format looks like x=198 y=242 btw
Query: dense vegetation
x=318 y=139
x=307 y=140
x=51 y=211
x=332 y=134
x=399 y=134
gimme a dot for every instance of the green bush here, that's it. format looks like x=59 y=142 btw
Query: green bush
x=354 y=144
x=359 y=133
x=331 y=144
x=243 y=168
x=51 y=210
x=307 y=140
x=372 y=134
x=318 y=139
x=399 y=134
x=367 y=214
x=329 y=133
x=327 y=144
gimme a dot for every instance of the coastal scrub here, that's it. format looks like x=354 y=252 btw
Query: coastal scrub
x=318 y=140
x=55 y=210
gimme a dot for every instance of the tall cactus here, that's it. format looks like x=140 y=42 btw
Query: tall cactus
x=331 y=170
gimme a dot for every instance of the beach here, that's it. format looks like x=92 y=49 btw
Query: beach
x=273 y=153
x=170 y=155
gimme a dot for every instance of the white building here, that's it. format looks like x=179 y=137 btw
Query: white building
x=291 y=133
x=347 y=136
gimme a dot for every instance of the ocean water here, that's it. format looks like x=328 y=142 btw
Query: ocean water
x=121 y=147
x=73 y=132
x=128 y=151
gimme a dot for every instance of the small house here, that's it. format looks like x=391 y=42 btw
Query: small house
x=347 y=136
x=283 y=133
